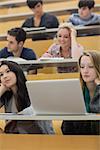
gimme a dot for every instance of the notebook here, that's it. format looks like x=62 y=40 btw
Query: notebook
x=34 y=29
x=63 y=96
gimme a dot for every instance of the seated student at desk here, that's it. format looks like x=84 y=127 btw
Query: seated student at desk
x=15 y=42
x=40 y=19
x=85 y=15
x=15 y=99
x=16 y=38
x=65 y=46
x=89 y=64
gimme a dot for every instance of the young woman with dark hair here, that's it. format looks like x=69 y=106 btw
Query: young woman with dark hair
x=15 y=99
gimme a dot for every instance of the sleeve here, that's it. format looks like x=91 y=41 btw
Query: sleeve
x=75 y=19
x=51 y=21
x=29 y=54
x=95 y=103
x=1 y=102
x=24 y=24
x=4 y=53
x=71 y=19
x=28 y=23
x=1 y=53
x=33 y=56
x=55 y=22
x=49 y=52
x=27 y=111
x=76 y=49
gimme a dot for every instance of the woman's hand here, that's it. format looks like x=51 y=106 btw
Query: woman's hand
x=97 y=81
x=73 y=33
x=76 y=49
x=46 y=55
x=3 y=89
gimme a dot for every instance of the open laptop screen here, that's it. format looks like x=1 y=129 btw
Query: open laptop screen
x=63 y=96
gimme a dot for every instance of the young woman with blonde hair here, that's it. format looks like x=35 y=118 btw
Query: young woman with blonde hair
x=89 y=65
x=65 y=45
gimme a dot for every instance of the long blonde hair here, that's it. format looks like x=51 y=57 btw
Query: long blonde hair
x=75 y=48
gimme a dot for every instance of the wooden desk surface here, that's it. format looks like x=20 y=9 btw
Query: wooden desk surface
x=8 y=116
x=17 y=3
x=63 y=10
x=39 y=64
x=48 y=142
x=81 y=31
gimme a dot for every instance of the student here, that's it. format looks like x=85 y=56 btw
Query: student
x=15 y=99
x=40 y=18
x=15 y=42
x=85 y=15
x=65 y=45
x=15 y=47
x=89 y=64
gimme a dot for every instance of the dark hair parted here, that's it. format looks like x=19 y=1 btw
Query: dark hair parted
x=18 y=33
x=86 y=3
x=32 y=3
x=22 y=98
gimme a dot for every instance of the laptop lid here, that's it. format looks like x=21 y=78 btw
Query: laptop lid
x=63 y=96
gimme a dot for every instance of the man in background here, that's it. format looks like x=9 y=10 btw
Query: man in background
x=85 y=15
x=15 y=45
x=40 y=19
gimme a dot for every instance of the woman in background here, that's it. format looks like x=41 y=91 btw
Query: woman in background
x=89 y=65
x=65 y=45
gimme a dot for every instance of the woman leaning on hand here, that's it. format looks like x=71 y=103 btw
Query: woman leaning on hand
x=15 y=99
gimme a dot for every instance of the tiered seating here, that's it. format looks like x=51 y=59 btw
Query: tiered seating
x=15 y=16
x=89 y=42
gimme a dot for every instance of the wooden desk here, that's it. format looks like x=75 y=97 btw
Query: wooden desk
x=48 y=142
x=81 y=31
x=57 y=12
x=36 y=64
x=44 y=76
x=17 y=3
x=8 y=116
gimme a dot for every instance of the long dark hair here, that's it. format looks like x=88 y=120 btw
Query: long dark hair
x=22 y=98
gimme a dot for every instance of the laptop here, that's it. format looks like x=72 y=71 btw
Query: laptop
x=56 y=97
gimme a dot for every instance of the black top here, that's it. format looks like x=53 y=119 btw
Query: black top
x=47 y=20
